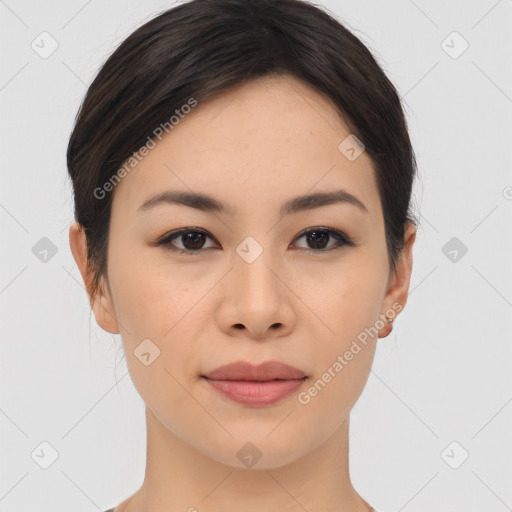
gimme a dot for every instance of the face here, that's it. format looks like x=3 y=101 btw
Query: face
x=251 y=275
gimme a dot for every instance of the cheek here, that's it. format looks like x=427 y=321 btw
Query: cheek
x=332 y=393
x=346 y=297
x=157 y=338
x=344 y=353
x=149 y=299
x=157 y=302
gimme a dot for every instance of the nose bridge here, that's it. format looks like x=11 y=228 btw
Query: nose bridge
x=255 y=296
x=255 y=271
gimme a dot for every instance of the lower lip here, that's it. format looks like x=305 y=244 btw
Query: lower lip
x=256 y=394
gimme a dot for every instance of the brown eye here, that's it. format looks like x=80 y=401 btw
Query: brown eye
x=191 y=239
x=319 y=238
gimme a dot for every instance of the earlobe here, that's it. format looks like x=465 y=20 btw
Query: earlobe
x=104 y=311
x=101 y=301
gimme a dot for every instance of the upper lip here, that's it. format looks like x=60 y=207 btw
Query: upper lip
x=269 y=370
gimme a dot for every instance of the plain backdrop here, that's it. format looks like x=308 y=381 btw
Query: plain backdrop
x=432 y=429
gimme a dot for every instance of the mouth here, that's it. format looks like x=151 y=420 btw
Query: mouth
x=256 y=393
x=267 y=371
x=255 y=386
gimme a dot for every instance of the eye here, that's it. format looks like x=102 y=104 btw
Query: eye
x=318 y=237
x=193 y=240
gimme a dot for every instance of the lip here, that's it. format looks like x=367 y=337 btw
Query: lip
x=255 y=386
x=269 y=370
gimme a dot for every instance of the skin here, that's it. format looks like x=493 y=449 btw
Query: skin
x=254 y=147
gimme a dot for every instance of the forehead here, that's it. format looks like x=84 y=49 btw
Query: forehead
x=256 y=144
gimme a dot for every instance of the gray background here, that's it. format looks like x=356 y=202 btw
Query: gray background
x=442 y=376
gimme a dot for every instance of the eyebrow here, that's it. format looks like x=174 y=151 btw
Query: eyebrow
x=207 y=203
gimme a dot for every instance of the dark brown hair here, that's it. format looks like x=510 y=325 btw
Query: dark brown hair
x=200 y=49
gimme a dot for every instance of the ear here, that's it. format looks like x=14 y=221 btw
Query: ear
x=101 y=302
x=398 y=284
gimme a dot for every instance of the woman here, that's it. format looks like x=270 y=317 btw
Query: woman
x=242 y=176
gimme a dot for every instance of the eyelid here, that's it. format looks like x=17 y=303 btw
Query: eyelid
x=168 y=237
x=343 y=239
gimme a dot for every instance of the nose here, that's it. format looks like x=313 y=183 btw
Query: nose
x=256 y=300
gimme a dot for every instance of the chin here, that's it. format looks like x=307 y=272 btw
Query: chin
x=256 y=452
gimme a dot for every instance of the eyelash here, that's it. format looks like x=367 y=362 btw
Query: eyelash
x=343 y=240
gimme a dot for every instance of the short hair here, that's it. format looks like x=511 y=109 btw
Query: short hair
x=200 y=49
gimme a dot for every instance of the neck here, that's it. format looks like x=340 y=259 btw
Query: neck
x=178 y=477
